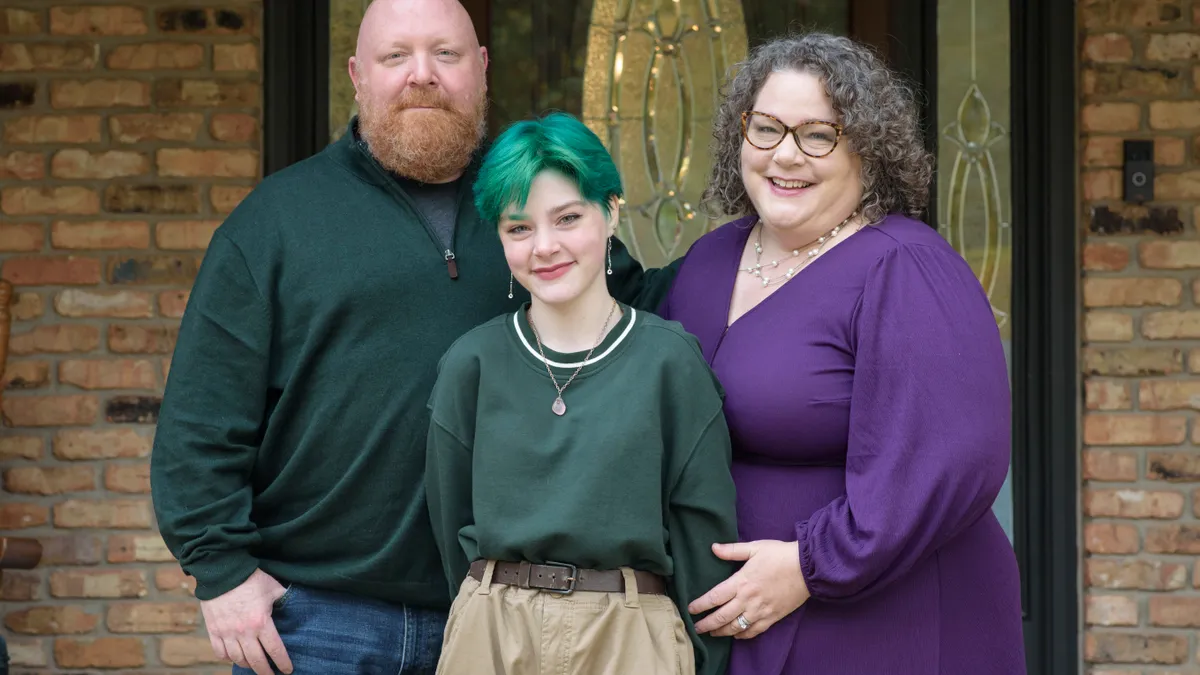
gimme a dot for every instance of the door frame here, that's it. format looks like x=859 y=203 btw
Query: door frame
x=1045 y=371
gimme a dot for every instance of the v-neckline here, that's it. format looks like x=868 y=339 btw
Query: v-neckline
x=731 y=282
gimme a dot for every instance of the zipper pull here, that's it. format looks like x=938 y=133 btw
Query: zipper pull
x=450 y=264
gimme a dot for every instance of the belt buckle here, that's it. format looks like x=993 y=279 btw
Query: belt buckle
x=573 y=579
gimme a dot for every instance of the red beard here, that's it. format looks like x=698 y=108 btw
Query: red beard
x=433 y=145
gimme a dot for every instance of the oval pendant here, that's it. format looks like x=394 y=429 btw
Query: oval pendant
x=559 y=407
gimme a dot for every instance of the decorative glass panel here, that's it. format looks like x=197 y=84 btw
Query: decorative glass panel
x=651 y=84
x=974 y=155
x=766 y=19
x=344 y=18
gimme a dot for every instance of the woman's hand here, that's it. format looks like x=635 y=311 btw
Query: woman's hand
x=767 y=588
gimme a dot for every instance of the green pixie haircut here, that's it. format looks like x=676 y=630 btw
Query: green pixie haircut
x=555 y=142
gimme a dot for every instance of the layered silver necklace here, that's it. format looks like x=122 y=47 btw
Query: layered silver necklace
x=759 y=267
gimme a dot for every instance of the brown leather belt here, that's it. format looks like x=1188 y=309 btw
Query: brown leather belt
x=565 y=578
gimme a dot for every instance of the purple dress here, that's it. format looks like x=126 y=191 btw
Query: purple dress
x=868 y=402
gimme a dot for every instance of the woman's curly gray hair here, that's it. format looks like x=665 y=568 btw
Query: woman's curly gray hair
x=877 y=109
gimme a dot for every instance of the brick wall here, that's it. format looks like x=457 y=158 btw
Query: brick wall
x=1141 y=294
x=126 y=130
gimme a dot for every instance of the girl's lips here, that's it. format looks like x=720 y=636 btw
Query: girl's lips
x=552 y=272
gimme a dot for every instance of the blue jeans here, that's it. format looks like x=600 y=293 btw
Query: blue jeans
x=327 y=633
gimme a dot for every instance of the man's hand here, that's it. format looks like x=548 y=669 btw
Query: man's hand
x=240 y=627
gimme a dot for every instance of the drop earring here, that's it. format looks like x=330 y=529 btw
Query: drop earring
x=510 y=282
x=610 y=255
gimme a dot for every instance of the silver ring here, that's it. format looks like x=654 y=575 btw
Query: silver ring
x=742 y=622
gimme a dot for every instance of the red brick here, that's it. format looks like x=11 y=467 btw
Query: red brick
x=108 y=374
x=108 y=652
x=1173 y=466
x=74 y=129
x=60 y=620
x=1131 y=82
x=211 y=21
x=98 y=584
x=1107 y=395
x=1105 y=257
x=20 y=22
x=184 y=162
x=1133 y=648
x=1171 y=325
x=141 y=127
x=21 y=447
x=113 y=513
x=21 y=237
x=206 y=93
x=47 y=56
x=1108 y=48
x=1185 y=185
x=1143 y=575
x=1110 y=538
x=186 y=651
x=98 y=20
x=1173 y=539
x=119 y=304
x=152 y=198
x=28 y=653
x=15 y=516
x=1170 y=151
x=1107 y=327
x=127 y=478
x=172 y=303
x=1174 y=114
x=100 y=234
x=1102 y=185
x=1128 y=503
x=22 y=166
x=234 y=127
x=138 y=339
x=52 y=270
x=74 y=549
x=67 y=199
x=1131 y=291
x=235 y=57
x=50 y=411
x=183 y=235
x=1171 y=255
x=156 y=56
x=172 y=580
x=18 y=586
x=144 y=617
x=1111 y=610
x=76 y=163
x=1108 y=465
x=1111 y=117
x=1173 y=47
x=25 y=375
x=99 y=93
x=55 y=339
x=88 y=444
x=1133 y=429
x=28 y=306
x=1175 y=612
x=1169 y=395
x=54 y=480
x=1125 y=14
x=1132 y=361
x=126 y=548
x=226 y=197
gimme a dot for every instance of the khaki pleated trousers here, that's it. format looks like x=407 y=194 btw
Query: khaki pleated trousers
x=505 y=630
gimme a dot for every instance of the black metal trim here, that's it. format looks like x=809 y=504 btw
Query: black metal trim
x=1045 y=340
x=295 y=81
x=913 y=52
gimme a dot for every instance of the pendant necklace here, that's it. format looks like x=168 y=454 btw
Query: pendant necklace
x=559 y=407
x=759 y=266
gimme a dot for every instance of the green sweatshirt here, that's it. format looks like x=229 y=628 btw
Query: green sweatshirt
x=636 y=473
x=292 y=432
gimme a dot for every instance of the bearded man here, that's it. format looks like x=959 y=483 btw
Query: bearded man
x=288 y=464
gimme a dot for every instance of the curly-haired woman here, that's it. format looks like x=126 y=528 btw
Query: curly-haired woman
x=866 y=390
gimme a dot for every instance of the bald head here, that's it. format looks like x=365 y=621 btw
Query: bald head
x=384 y=16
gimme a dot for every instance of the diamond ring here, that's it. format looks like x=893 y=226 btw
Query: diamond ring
x=742 y=622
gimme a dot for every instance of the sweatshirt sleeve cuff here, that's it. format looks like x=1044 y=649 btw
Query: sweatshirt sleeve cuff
x=218 y=574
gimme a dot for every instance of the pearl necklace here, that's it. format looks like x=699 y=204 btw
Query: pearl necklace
x=759 y=265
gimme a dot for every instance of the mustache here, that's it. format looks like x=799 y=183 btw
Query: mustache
x=423 y=98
